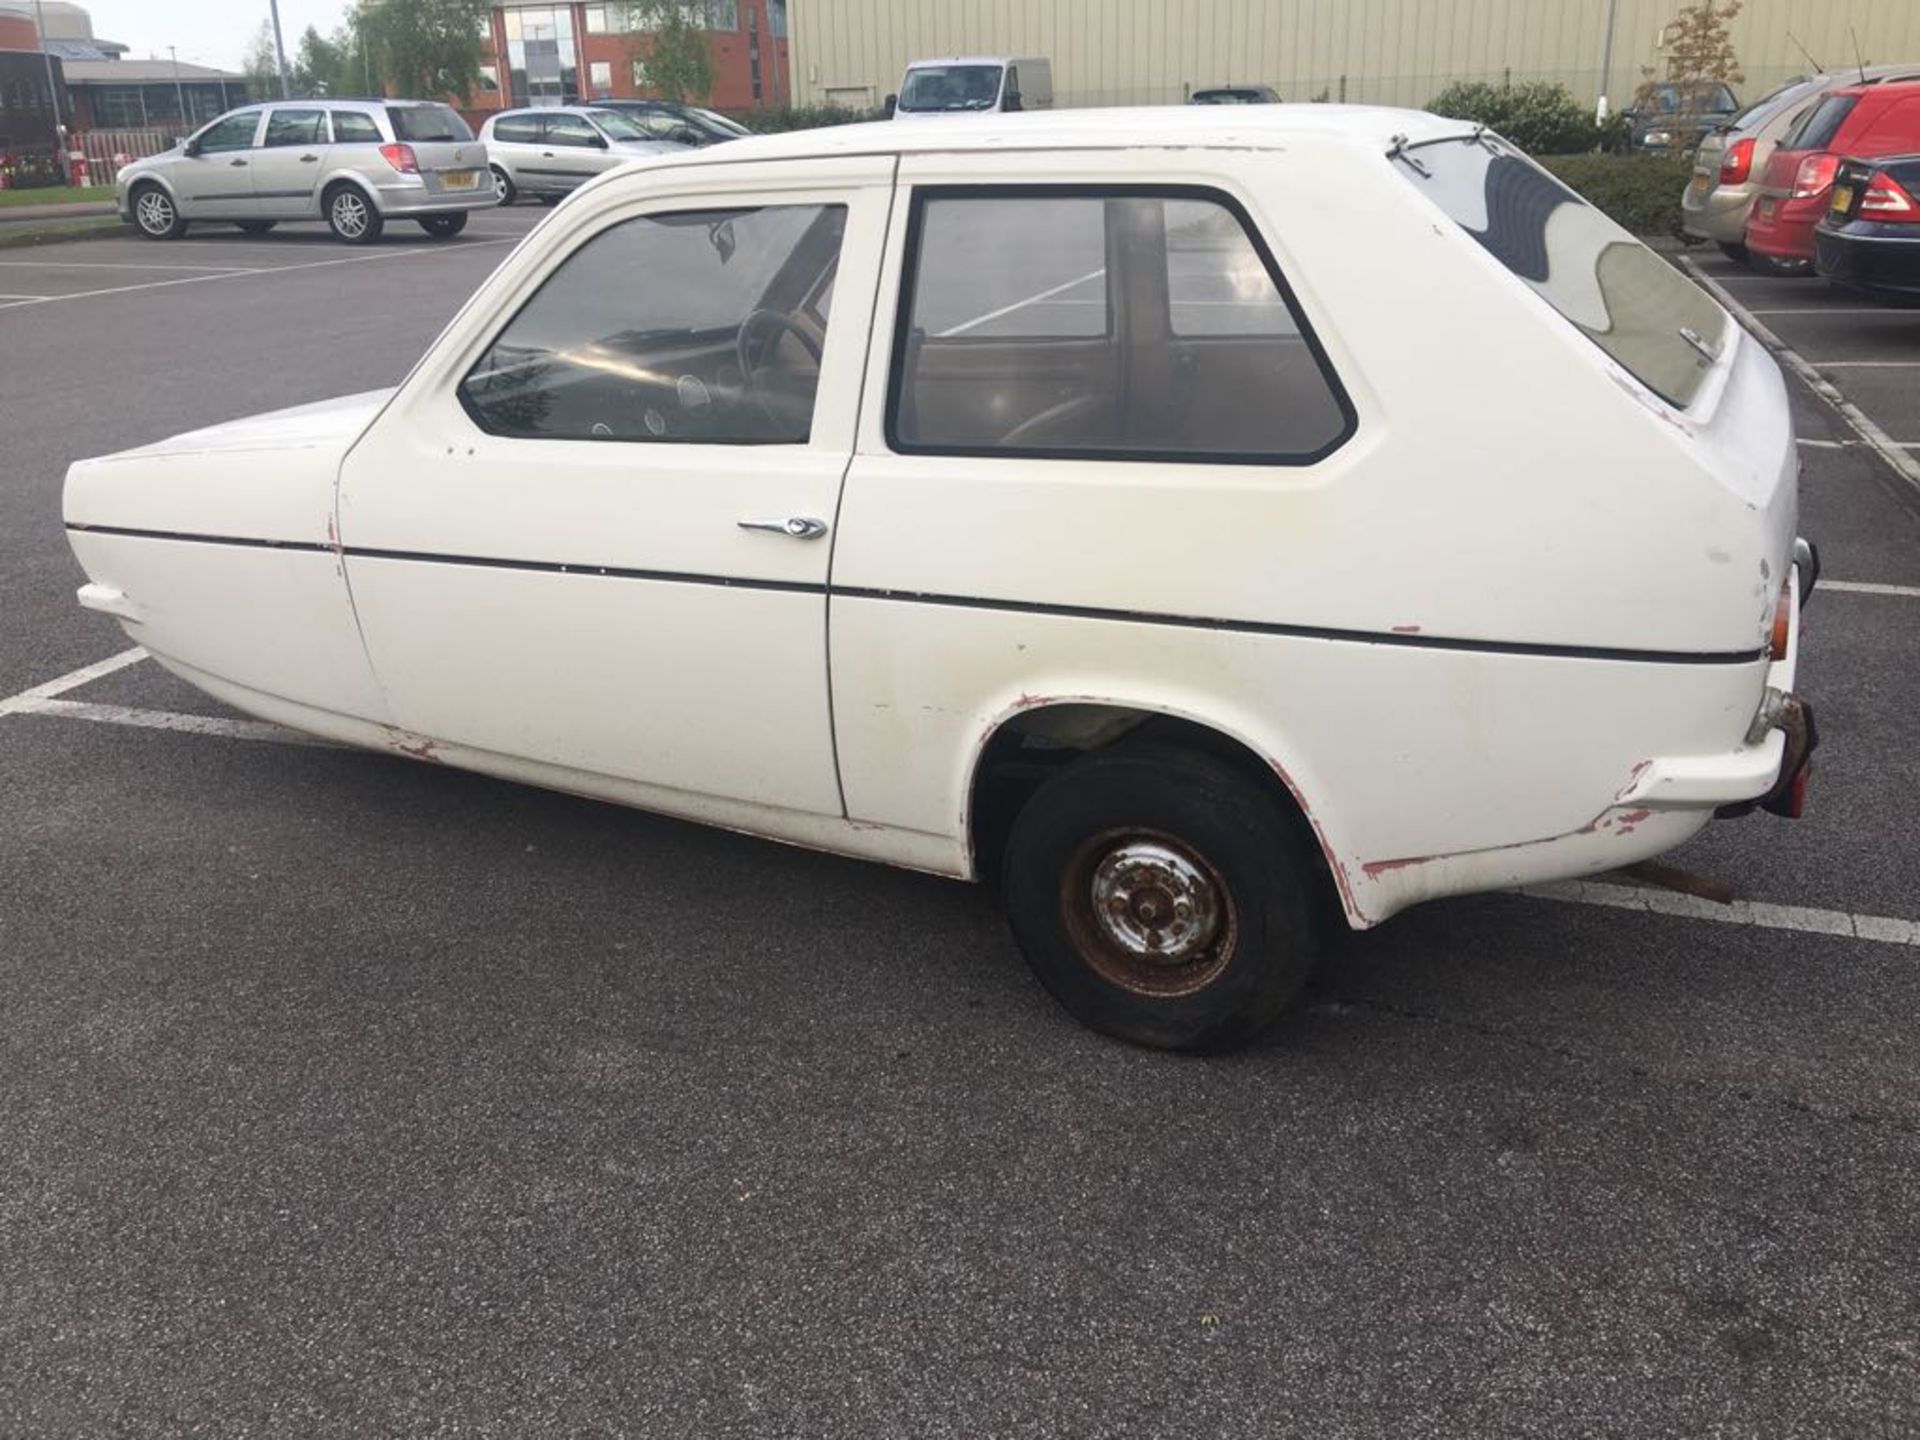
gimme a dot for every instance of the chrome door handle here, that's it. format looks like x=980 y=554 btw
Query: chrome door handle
x=799 y=527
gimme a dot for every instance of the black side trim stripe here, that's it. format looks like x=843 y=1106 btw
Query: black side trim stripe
x=1025 y=607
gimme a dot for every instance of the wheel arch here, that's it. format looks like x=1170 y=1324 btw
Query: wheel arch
x=348 y=177
x=156 y=178
x=1033 y=735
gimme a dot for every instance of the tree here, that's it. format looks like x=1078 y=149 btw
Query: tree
x=672 y=53
x=262 y=65
x=423 y=48
x=323 y=66
x=1699 y=51
x=1541 y=118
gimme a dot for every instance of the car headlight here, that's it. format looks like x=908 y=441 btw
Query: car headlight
x=1657 y=137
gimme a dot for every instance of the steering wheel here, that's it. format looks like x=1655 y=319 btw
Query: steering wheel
x=774 y=322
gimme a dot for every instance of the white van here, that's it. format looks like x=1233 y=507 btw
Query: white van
x=977 y=84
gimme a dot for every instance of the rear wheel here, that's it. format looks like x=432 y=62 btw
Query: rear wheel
x=352 y=216
x=1735 y=252
x=155 y=215
x=1162 y=896
x=443 y=227
x=503 y=186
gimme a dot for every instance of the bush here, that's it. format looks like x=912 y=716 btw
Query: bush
x=1640 y=192
x=801 y=117
x=1540 y=118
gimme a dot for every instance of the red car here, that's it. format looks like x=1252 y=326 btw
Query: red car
x=1859 y=120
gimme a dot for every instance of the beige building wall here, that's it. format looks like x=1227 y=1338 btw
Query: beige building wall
x=1398 y=52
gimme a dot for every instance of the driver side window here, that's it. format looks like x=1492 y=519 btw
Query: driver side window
x=704 y=326
x=233 y=133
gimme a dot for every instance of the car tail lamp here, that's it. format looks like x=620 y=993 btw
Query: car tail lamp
x=1815 y=174
x=1782 y=636
x=1887 y=199
x=401 y=158
x=1737 y=164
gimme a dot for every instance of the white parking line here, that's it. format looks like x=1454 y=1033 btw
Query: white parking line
x=241 y=274
x=1862 y=424
x=1867 y=587
x=1865 y=364
x=1830 y=310
x=978 y=320
x=1804 y=919
x=30 y=700
x=112 y=265
x=220 y=725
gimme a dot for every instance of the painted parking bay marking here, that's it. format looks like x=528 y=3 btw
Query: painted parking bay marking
x=46 y=699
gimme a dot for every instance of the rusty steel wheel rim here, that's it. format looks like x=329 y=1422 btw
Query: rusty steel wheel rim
x=1148 y=913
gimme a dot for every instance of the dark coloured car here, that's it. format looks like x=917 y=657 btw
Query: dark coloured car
x=1673 y=117
x=682 y=124
x=1869 y=239
x=1236 y=95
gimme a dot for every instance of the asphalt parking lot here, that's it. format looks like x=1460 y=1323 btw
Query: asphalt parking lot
x=350 y=1096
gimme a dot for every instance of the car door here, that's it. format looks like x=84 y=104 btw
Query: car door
x=214 y=179
x=290 y=162
x=572 y=152
x=585 y=538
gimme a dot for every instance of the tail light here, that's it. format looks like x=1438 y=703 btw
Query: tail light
x=1737 y=164
x=1887 y=199
x=402 y=158
x=1782 y=635
x=1815 y=174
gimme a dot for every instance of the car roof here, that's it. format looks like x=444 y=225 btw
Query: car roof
x=1268 y=127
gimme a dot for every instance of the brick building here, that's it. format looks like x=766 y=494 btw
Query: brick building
x=555 y=54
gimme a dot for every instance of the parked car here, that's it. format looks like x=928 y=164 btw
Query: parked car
x=973 y=85
x=1728 y=164
x=682 y=124
x=1672 y=117
x=1236 y=95
x=1869 y=239
x=545 y=154
x=1062 y=503
x=355 y=164
x=1856 y=120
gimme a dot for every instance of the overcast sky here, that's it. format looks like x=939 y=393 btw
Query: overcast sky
x=208 y=32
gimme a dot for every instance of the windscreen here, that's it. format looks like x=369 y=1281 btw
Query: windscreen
x=951 y=87
x=426 y=124
x=616 y=126
x=1632 y=304
x=714 y=120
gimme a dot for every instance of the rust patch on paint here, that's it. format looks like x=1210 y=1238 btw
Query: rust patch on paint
x=1406 y=629
x=427 y=750
x=1374 y=869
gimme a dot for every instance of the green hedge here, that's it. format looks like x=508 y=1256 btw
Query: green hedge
x=1641 y=192
x=801 y=117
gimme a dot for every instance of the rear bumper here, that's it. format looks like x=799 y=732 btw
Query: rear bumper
x=1862 y=258
x=1720 y=214
x=1786 y=234
x=399 y=201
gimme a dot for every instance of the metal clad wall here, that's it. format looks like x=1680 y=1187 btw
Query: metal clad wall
x=1125 y=52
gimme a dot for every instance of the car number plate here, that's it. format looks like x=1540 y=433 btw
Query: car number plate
x=1842 y=198
x=1766 y=209
x=1702 y=184
x=459 y=179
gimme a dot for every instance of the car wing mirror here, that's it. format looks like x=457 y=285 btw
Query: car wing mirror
x=191 y=147
x=890 y=104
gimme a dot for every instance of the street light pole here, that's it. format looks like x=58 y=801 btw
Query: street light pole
x=179 y=97
x=53 y=87
x=1606 y=62
x=279 y=49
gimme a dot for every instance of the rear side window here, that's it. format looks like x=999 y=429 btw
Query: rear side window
x=296 y=127
x=1821 y=124
x=1618 y=293
x=517 y=129
x=1124 y=324
x=425 y=124
x=351 y=127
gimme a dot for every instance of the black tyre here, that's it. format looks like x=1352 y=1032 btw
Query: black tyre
x=255 y=227
x=155 y=215
x=444 y=227
x=503 y=186
x=353 y=218
x=1735 y=252
x=1163 y=897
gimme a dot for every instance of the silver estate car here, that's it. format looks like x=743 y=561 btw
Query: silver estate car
x=544 y=153
x=354 y=163
x=1729 y=163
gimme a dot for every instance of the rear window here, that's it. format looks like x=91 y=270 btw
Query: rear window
x=425 y=124
x=1821 y=124
x=1618 y=293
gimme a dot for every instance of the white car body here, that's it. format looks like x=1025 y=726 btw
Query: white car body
x=1018 y=83
x=1513 y=626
